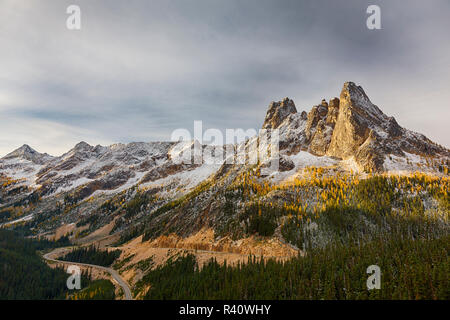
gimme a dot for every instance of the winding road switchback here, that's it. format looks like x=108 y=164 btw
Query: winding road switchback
x=122 y=283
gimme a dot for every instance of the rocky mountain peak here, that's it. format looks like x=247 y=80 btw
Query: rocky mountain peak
x=82 y=146
x=23 y=150
x=362 y=130
x=351 y=127
x=277 y=112
x=28 y=153
x=352 y=91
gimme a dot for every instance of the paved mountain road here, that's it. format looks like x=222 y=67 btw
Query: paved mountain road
x=112 y=272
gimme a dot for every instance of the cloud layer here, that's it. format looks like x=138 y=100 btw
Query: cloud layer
x=140 y=69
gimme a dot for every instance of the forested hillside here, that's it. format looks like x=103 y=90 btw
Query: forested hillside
x=411 y=269
x=24 y=275
x=98 y=290
x=92 y=255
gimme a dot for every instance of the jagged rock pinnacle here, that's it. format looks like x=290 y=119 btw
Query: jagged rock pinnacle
x=277 y=112
x=350 y=126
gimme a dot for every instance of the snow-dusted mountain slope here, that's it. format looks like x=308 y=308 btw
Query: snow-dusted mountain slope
x=349 y=132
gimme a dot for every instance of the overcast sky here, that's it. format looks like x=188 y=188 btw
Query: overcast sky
x=137 y=70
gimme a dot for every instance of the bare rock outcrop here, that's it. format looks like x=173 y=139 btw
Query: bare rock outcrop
x=351 y=129
x=357 y=127
x=277 y=112
x=318 y=131
x=333 y=111
x=321 y=139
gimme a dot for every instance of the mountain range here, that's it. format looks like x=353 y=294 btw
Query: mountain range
x=348 y=134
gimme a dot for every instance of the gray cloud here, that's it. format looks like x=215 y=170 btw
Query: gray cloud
x=139 y=69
